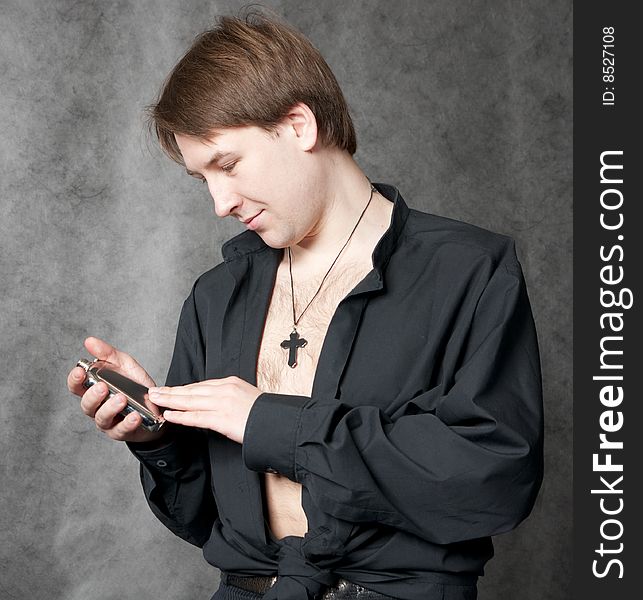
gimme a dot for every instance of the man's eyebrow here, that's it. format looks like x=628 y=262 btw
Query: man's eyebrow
x=217 y=156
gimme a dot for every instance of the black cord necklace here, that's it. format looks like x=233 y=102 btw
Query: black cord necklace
x=295 y=341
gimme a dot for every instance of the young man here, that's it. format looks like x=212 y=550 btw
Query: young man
x=354 y=400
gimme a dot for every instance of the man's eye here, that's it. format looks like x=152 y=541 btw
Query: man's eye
x=228 y=168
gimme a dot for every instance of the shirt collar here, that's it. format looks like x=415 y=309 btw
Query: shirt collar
x=248 y=241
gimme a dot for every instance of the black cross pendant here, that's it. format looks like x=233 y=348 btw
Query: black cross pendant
x=292 y=344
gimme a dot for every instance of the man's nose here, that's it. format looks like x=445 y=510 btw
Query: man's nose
x=225 y=201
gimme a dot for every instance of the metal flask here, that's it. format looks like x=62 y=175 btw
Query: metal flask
x=135 y=393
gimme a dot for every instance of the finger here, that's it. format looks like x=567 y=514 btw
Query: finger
x=185 y=402
x=101 y=349
x=104 y=351
x=75 y=380
x=192 y=418
x=93 y=398
x=199 y=388
x=105 y=416
x=124 y=429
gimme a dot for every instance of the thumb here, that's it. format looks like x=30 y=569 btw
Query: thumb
x=101 y=349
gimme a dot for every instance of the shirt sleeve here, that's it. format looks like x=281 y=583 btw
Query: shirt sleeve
x=463 y=461
x=176 y=475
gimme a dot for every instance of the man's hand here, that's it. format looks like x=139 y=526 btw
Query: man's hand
x=222 y=405
x=106 y=414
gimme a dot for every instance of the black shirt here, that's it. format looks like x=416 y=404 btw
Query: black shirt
x=423 y=435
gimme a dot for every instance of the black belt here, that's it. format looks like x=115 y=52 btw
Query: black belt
x=342 y=589
x=259 y=585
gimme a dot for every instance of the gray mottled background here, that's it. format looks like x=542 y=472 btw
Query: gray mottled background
x=465 y=106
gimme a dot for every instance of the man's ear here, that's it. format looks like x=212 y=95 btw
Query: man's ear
x=301 y=122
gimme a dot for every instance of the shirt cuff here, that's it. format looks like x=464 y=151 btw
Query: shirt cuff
x=270 y=436
x=166 y=459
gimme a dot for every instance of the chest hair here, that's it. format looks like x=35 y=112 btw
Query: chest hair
x=273 y=372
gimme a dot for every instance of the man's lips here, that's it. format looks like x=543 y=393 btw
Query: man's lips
x=250 y=219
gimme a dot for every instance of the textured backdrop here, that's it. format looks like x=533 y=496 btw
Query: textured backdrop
x=465 y=106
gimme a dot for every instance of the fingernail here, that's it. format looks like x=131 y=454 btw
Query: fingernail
x=153 y=390
x=131 y=418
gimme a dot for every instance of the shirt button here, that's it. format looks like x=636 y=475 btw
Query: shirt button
x=161 y=463
x=271 y=470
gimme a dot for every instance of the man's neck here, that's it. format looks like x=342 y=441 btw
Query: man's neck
x=345 y=199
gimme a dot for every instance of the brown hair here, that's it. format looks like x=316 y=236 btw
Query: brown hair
x=249 y=71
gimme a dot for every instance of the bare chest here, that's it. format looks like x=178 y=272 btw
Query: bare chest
x=273 y=372
x=284 y=513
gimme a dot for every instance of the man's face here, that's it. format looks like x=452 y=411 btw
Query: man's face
x=251 y=174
